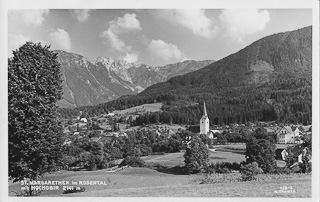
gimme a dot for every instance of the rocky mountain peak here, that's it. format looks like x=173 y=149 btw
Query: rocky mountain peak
x=105 y=79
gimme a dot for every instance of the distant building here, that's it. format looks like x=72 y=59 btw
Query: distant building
x=298 y=153
x=204 y=121
x=76 y=133
x=110 y=114
x=83 y=120
x=285 y=135
x=212 y=133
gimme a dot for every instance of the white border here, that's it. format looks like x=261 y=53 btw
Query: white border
x=160 y=4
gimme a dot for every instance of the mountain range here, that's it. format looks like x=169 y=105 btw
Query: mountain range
x=271 y=79
x=87 y=83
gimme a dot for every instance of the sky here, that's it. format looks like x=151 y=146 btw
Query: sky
x=151 y=36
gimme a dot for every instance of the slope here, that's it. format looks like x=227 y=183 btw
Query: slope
x=267 y=80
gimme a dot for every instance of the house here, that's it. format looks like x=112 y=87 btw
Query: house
x=110 y=114
x=298 y=153
x=83 y=120
x=285 y=135
x=76 y=133
x=212 y=133
x=296 y=132
x=123 y=134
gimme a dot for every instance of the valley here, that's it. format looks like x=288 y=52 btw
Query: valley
x=240 y=126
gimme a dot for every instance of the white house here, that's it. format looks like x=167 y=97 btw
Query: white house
x=83 y=120
x=110 y=114
x=296 y=133
x=285 y=135
x=212 y=132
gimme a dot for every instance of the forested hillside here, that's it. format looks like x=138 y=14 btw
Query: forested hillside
x=268 y=80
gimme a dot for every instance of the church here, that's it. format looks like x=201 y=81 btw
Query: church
x=204 y=121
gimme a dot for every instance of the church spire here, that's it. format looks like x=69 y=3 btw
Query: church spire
x=204 y=109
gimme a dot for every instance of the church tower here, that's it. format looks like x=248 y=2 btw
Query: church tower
x=204 y=121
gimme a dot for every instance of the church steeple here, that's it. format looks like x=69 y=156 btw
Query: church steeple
x=204 y=110
x=204 y=121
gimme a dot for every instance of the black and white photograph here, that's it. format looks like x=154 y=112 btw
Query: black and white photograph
x=160 y=101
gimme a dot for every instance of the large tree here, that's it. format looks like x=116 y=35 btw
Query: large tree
x=196 y=156
x=35 y=134
x=261 y=151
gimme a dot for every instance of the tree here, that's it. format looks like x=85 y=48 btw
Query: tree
x=196 y=156
x=35 y=133
x=249 y=171
x=261 y=151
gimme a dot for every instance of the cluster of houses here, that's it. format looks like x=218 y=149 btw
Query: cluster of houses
x=285 y=134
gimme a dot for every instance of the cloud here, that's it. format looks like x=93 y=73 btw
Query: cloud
x=239 y=23
x=61 y=38
x=34 y=17
x=128 y=23
x=81 y=14
x=164 y=51
x=193 y=19
x=114 y=41
x=116 y=28
x=130 y=57
x=15 y=42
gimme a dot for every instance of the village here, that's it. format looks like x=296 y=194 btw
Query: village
x=119 y=123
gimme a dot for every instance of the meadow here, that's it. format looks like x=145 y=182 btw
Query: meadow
x=147 y=181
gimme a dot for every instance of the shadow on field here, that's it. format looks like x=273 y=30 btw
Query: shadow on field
x=176 y=170
x=232 y=151
x=215 y=157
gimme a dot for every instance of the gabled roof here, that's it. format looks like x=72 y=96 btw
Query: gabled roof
x=287 y=128
x=215 y=131
x=297 y=150
x=307 y=128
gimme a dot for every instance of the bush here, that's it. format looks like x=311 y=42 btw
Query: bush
x=305 y=166
x=133 y=161
x=221 y=178
x=222 y=167
x=250 y=171
x=103 y=164
x=283 y=170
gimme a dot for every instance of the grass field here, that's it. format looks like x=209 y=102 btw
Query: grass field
x=140 y=182
x=302 y=188
x=154 y=107
x=150 y=182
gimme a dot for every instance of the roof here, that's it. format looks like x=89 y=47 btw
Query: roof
x=297 y=150
x=307 y=128
x=269 y=130
x=204 y=110
x=288 y=128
